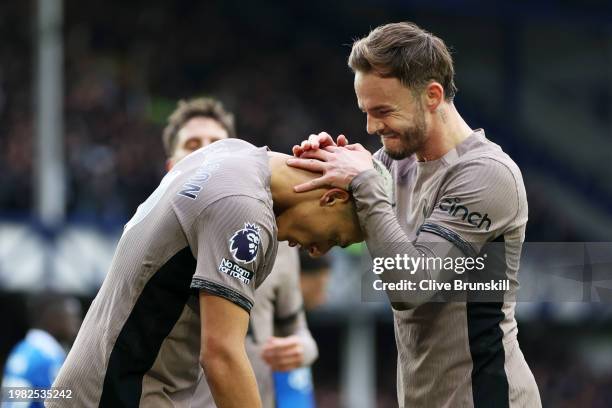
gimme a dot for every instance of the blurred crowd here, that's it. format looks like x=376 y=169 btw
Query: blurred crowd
x=124 y=72
x=121 y=85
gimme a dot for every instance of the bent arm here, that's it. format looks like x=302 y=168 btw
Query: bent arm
x=386 y=239
x=223 y=356
x=443 y=234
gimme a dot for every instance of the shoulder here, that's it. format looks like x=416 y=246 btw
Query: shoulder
x=237 y=218
x=493 y=180
x=485 y=162
x=221 y=176
x=238 y=206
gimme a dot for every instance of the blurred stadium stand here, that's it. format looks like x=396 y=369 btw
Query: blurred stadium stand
x=535 y=75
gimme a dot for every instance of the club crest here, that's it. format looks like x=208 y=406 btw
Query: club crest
x=244 y=244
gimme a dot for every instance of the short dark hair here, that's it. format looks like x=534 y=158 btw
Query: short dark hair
x=406 y=52
x=193 y=108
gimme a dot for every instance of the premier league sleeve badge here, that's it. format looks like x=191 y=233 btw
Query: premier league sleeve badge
x=244 y=244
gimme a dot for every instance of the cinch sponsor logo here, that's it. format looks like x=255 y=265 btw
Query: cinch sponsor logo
x=235 y=271
x=454 y=208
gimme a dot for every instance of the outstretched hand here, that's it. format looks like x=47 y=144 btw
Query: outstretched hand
x=339 y=165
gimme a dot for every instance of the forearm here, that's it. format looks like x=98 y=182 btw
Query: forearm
x=231 y=379
x=311 y=351
x=384 y=235
x=386 y=239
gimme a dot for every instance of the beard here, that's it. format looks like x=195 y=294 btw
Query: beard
x=411 y=140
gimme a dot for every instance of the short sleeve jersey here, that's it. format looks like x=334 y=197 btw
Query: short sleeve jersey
x=209 y=226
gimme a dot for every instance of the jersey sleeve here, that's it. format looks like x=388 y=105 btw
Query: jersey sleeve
x=479 y=202
x=233 y=237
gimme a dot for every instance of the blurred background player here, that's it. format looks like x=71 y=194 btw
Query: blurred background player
x=295 y=388
x=278 y=337
x=35 y=361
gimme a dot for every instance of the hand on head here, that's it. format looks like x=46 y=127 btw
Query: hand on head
x=320 y=141
x=339 y=162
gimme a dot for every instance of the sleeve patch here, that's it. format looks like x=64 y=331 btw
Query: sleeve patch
x=230 y=268
x=244 y=243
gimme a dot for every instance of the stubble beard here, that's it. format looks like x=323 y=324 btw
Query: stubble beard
x=411 y=140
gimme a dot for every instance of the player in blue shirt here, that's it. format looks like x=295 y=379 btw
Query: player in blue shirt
x=35 y=361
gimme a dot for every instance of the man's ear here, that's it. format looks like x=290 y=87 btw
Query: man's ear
x=433 y=95
x=334 y=195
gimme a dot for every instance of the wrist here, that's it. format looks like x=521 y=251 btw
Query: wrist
x=364 y=178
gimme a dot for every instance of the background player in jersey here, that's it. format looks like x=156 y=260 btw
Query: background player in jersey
x=455 y=354
x=182 y=282
x=35 y=361
x=278 y=337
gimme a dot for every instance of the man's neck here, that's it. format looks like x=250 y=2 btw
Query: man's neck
x=283 y=179
x=447 y=130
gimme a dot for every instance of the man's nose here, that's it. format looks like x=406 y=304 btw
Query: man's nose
x=373 y=125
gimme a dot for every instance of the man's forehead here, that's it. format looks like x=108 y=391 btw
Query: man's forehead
x=375 y=92
x=203 y=126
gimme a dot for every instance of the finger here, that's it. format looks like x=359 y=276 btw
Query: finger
x=313 y=165
x=297 y=150
x=286 y=367
x=305 y=145
x=290 y=361
x=268 y=349
x=332 y=149
x=311 y=185
x=319 y=154
x=314 y=141
x=288 y=348
x=356 y=147
x=342 y=140
x=267 y=354
x=322 y=140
